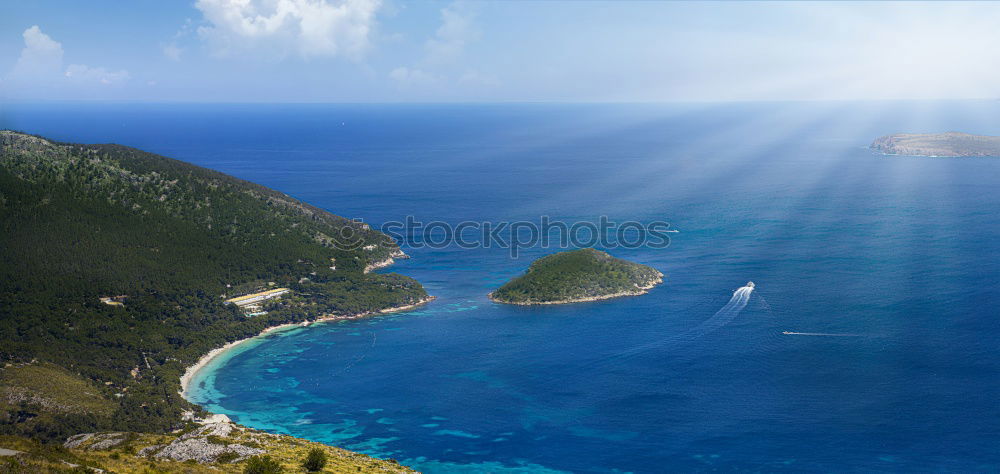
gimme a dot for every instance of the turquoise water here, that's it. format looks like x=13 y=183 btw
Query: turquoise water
x=894 y=255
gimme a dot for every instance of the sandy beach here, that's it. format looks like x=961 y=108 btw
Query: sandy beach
x=192 y=370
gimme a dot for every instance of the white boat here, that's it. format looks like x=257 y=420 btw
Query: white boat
x=750 y=284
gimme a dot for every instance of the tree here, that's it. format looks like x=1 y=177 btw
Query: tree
x=315 y=461
x=262 y=465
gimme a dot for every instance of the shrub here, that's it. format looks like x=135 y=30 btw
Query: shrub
x=262 y=465
x=315 y=461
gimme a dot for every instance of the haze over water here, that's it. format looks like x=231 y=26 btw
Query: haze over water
x=898 y=252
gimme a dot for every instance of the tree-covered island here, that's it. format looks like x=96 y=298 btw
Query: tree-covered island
x=576 y=276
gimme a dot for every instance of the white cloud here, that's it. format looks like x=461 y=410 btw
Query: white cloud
x=40 y=66
x=446 y=47
x=457 y=29
x=41 y=57
x=173 y=52
x=83 y=73
x=310 y=28
x=406 y=76
x=476 y=77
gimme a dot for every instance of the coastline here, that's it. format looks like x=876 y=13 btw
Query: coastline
x=918 y=155
x=639 y=291
x=193 y=369
x=388 y=261
x=879 y=151
x=938 y=145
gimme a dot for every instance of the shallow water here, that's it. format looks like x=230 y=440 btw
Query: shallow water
x=899 y=252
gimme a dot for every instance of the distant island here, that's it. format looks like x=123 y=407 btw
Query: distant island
x=577 y=276
x=937 y=144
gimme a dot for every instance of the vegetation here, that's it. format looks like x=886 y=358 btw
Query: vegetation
x=315 y=461
x=577 y=275
x=81 y=222
x=130 y=455
x=262 y=465
x=53 y=388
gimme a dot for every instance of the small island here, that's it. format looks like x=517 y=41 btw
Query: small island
x=950 y=144
x=577 y=276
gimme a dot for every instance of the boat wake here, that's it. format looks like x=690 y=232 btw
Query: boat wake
x=826 y=334
x=725 y=315
x=721 y=318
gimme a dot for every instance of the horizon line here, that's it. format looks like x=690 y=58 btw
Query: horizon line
x=6 y=101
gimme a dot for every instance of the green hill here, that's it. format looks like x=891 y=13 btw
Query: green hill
x=576 y=276
x=81 y=222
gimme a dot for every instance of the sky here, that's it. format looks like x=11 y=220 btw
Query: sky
x=496 y=51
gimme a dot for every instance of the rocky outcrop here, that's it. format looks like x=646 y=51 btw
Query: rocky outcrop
x=203 y=451
x=221 y=429
x=380 y=264
x=206 y=444
x=213 y=442
x=95 y=441
x=387 y=261
x=218 y=447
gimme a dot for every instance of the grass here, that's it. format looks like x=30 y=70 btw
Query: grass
x=54 y=388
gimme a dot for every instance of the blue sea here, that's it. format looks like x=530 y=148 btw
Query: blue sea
x=890 y=264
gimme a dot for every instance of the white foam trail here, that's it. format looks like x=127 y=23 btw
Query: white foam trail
x=827 y=334
x=721 y=318
x=725 y=315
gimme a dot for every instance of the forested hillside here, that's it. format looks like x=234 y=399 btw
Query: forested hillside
x=80 y=222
